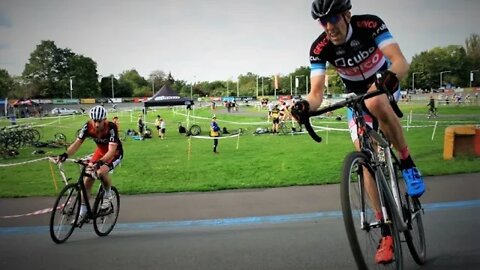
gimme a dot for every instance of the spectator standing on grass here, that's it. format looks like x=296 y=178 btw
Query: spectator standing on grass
x=162 y=129
x=432 y=111
x=157 y=124
x=270 y=109
x=214 y=132
x=275 y=119
x=140 y=126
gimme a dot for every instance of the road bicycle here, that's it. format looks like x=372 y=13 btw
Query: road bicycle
x=66 y=209
x=401 y=213
x=193 y=130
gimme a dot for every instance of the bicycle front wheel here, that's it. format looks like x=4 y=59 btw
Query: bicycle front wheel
x=65 y=213
x=362 y=228
x=106 y=212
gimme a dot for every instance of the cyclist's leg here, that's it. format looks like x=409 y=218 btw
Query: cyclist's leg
x=385 y=250
x=381 y=109
x=370 y=183
x=104 y=172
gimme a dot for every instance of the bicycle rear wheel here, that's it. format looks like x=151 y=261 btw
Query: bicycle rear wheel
x=106 y=218
x=363 y=230
x=415 y=235
x=65 y=213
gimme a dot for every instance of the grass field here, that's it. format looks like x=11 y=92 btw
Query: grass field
x=178 y=164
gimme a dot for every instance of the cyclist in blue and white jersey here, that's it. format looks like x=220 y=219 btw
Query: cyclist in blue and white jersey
x=359 y=47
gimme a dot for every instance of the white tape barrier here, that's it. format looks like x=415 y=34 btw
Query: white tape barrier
x=22 y=163
x=39 y=159
x=211 y=138
x=224 y=121
x=38 y=212
x=329 y=128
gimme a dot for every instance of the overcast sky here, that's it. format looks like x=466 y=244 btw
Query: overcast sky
x=206 y=40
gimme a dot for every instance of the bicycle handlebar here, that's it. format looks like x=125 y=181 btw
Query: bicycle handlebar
x=349 y=100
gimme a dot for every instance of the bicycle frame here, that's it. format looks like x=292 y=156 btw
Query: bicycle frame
x=80 y=182
x=365 y=134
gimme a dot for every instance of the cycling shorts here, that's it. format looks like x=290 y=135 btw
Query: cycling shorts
x=369 y=119
x=112 y=163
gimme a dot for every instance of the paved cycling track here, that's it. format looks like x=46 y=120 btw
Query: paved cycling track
x=282 y=228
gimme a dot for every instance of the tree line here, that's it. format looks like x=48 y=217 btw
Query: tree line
x=54 y=72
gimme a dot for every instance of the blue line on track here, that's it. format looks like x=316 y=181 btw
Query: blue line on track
x=315 y=216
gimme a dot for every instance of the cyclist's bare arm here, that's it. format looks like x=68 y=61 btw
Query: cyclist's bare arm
x=73 y=148
x=315 y=97
x=399 y=63
x=112 y=149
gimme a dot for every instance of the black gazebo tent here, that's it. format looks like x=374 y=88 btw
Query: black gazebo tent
x=166 y=96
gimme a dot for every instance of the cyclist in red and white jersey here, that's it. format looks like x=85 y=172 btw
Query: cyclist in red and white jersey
x=359 y=47
x=107 y=155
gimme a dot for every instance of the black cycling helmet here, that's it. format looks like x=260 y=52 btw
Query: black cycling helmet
x=322 y=8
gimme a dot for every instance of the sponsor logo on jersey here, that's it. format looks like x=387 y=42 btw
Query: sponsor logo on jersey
x=340 y=51
x=380 y=29
x=355 y=60
x=101 y=140
x=314 y=58
x=354 y=43
x=318 y=49
x=367 y=24
x=354 y=68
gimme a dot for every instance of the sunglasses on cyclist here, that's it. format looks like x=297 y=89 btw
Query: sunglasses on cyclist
x=333 y=19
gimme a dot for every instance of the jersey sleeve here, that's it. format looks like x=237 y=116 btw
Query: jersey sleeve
x=318 y=65
x=113 y=131
x=380 y=32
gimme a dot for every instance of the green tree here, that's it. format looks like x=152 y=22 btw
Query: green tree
x=158 y=79
x=106 y=87
x=472 y=47
x=83 y=71
x=181 y=87
x=450 y=60
x=302 y=76
x=47 y=70
x=6 y=83
x=130 y=79
x=248 y=85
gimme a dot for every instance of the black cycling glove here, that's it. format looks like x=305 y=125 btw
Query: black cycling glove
x=63 y=157
x=301 y=110
x=387 y=81
x=99 y=164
